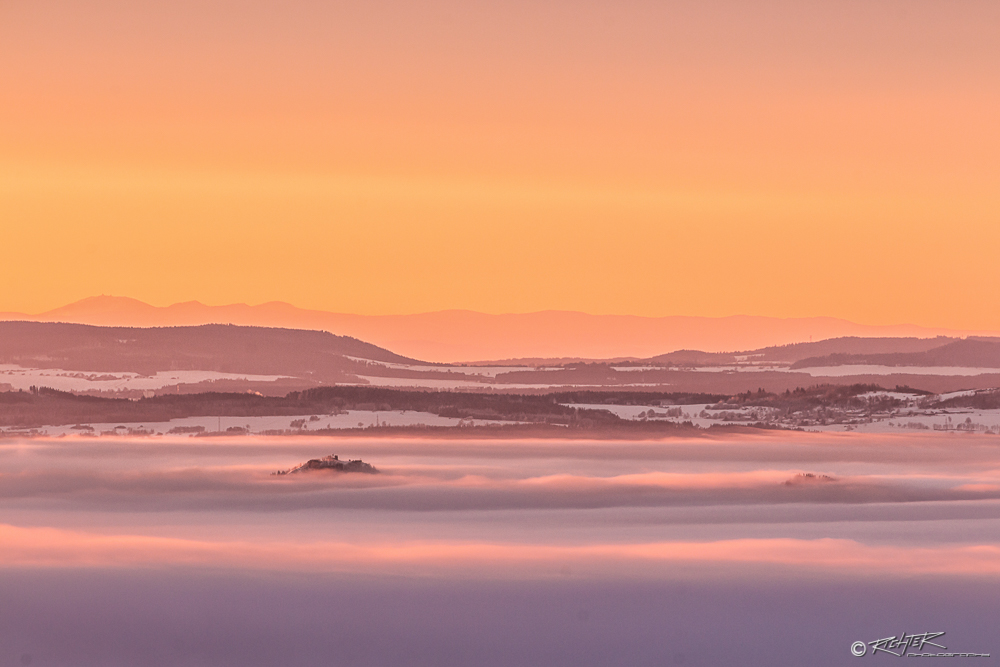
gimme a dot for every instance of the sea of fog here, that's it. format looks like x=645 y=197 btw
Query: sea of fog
x=777 y=548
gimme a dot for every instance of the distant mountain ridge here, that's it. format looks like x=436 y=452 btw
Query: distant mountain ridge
x=465 y=336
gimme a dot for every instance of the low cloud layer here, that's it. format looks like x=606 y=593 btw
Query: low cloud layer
x=520 y=508
x=420 y=489
x=64 y=548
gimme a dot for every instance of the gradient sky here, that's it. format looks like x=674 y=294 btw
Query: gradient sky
x=653 y=158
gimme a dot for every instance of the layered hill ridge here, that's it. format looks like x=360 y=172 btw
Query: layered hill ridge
x=466 y=336
x=967 y=353
x=133 y=361
x=802 y=355
x=211 y=347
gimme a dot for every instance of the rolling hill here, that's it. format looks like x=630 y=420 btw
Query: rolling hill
x=212 y=347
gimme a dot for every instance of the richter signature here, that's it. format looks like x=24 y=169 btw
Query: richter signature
x=898 y=646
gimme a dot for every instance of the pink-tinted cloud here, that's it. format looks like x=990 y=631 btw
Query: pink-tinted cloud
x=63 y=548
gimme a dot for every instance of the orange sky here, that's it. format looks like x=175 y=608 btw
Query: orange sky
x=689 y=158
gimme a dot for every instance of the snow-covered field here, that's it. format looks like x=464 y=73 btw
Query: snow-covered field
x=626 y=369
x=256 y=425
x=688 y=413
x=956 y=419
x=846 y=370
x=961 y=420
x=63 y=380
x=841 y=371
x=900 y=395
x=425 y=383
x=741 y=368
x=480 y=371
x=450 y=377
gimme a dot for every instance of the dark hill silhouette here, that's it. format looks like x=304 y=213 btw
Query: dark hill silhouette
x=968 y=353
x=694 y=358
x=212 y=347
x=853 y=346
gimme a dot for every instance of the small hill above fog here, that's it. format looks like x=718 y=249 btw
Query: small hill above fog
x=333 y=463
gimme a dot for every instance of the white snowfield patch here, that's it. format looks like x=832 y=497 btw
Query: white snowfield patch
x=63 y=380
x=257 y=425
x=426 y=383
x=740 y=368
x=961 y=420
x=626 y=369
x=670 y=413
x=897 y=395
x=841 y=371
x=480 y=371
x=956 y=394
